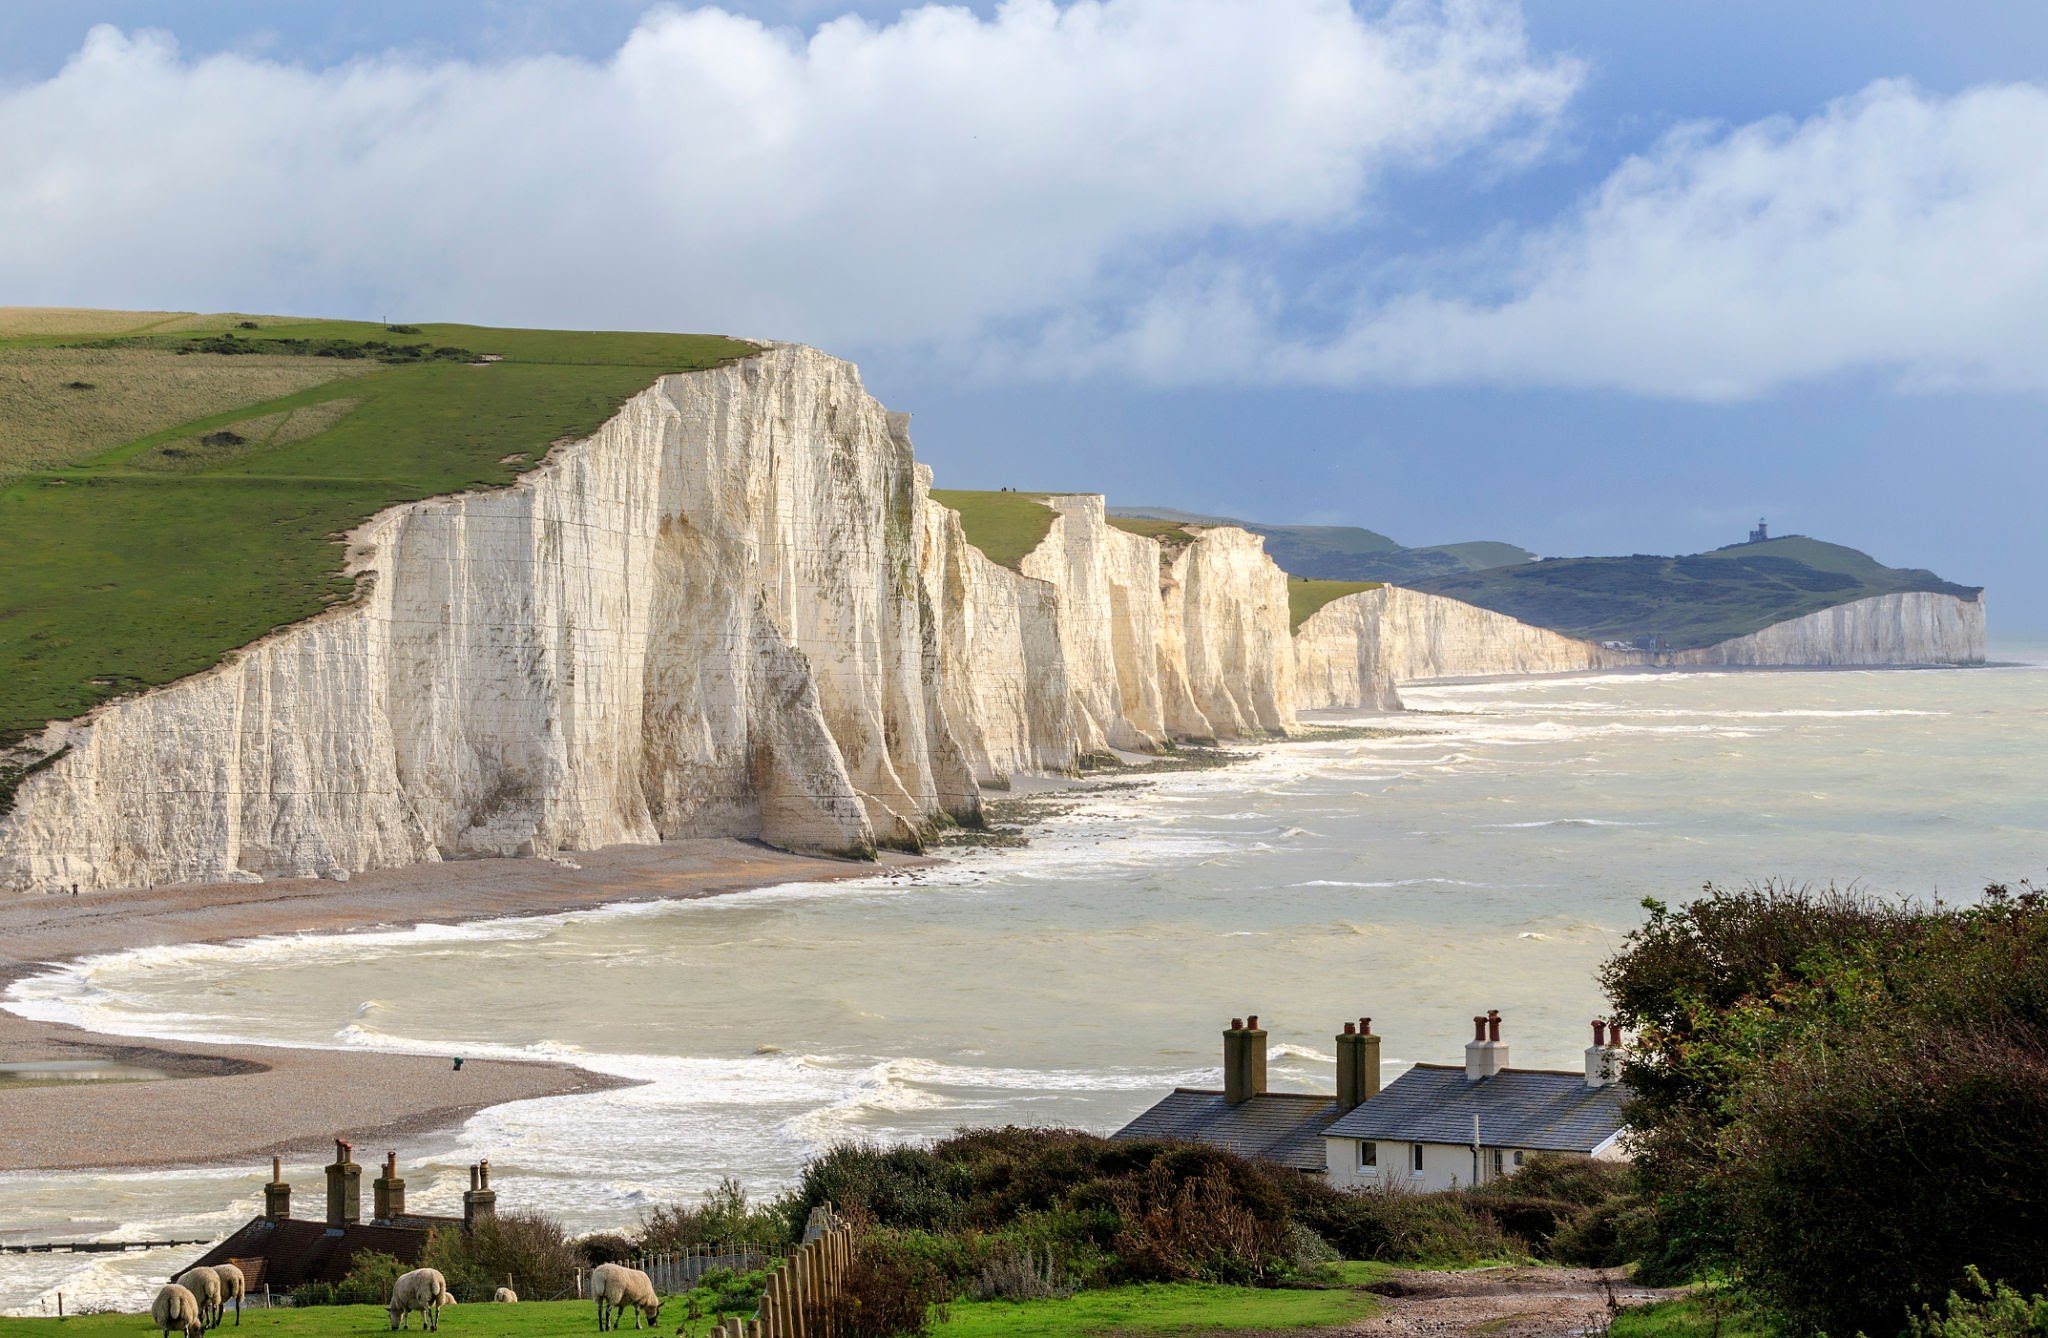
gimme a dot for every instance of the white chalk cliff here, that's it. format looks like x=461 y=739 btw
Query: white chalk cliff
x=735 y=610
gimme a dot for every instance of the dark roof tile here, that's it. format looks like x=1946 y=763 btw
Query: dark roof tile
x=1283 y=1127
x=1537 y=1109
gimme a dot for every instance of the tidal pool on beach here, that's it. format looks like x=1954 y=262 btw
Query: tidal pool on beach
x=1489 y=851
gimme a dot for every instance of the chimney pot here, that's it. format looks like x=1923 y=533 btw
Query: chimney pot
x=277 y=1170
x=1599 y=1032
x=1350 y=1028
x=1252 y=1023
x=1492 y=1026
x=1365 y=1026
x=1237 y=1024
x=1479 y=1030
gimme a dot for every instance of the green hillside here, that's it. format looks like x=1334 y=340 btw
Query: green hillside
x=174 y=486
x=1351 y=553
x=1305 y=597
x=1684 y=602
x=1003 y=525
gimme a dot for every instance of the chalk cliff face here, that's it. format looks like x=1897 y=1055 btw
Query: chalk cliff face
x=1919 y=628
x=1355 y=651
x=734 y=610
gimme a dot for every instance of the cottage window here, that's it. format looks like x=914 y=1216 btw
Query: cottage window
x=1415 y=1158
x=1368 y=1156
x=1499 y=1164
x=1518 y=1161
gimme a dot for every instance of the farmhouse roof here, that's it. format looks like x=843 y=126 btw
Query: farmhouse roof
x=1283 y=1127
x=285 y=1252
x=1541 y=1110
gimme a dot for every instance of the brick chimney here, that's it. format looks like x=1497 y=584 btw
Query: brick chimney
x=277 y=1195
x=387 y=1192
x=344 y=1187
x=1358 y=1065
x=479 y=1200
x=1603 y=1060
x=1485 y=1054
x=1244 y=1061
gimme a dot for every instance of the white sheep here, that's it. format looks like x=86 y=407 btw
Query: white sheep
x=447 y=1299
x=204 y=1284
x=176 y=1308
x=506 y=1295
x=233 y=1287
x=421 y=1290
x=615 y=1287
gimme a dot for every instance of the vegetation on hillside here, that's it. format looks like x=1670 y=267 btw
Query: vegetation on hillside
x=1348 y=552
x=192 y=499
x=1690 y=601
x=1841 y=1099
x=1305 y=597
x=1003 y=525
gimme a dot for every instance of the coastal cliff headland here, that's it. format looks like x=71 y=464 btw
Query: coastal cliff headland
x=735 y=610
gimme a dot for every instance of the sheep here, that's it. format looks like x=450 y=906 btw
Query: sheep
x=175 y=1306
x=447 y=1299
x=421 y=1290
x=233 y=1287
x=506 y=1295
x=615 y=1287
x=204 y=1284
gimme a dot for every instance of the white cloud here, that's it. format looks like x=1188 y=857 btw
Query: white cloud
x=1894 y=231
x=917 y=182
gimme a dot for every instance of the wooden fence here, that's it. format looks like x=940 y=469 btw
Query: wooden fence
x=798 y=1302
x=674 y=1271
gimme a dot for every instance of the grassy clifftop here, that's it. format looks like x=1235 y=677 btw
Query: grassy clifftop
x=174 y=486
x=1688 y=601
x=1350 y=552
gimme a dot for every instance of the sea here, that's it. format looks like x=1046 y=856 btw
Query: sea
x=1487 y=849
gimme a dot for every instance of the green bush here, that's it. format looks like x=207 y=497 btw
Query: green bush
x=529 y=1249
x=371 y=1274
x=890 y=1291
x=726 y=1217
x=1989 y=1311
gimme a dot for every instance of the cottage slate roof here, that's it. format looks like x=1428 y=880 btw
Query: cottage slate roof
x=294 y=1250
x=1541 y=1110
x=1283 y=1127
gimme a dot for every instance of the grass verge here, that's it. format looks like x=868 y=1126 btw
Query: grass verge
x=528 y=1319
x=1305 y=597
x=119 y=574
x=1003 y=525
x=1175 y=1307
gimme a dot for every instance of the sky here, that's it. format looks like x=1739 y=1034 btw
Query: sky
x=1590 y=277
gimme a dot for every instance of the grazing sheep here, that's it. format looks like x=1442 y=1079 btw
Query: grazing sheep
x=506 y=1295
x=615 y=1287
x=447 y=1299
x=176 y=1308
x=233 y=1287
x=421 y=1290
x=204 y=1284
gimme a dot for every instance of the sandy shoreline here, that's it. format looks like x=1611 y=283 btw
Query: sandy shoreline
x=237 y=1103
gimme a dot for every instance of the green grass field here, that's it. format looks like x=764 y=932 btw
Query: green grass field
x=136 y=563
x=528 y=1319
x=1305 y=597
x=1171 y=533
x=1181 y=1307
x=1703 y=1315
x=1003 y=525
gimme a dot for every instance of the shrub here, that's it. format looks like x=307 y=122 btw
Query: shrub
x=1395 y=1224
x=604 y=1247
x=528 y=1248
x=1989 y=1311
x=371 y=1274
x=1172 y=1228
x=726 y=1217
x=1020 y=1275
x=889 y=1291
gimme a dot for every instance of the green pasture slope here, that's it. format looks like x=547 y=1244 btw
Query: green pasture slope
x=1305 y=597
x=1695 y=600
x=117 y=573
x=1003 y=525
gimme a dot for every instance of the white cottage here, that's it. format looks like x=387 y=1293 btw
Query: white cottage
x=1439 y=1126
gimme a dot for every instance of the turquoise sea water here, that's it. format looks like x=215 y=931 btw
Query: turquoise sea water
x=1488 y=854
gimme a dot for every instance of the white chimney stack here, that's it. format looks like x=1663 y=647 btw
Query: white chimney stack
x=1485 y=1054
x=1603 y=1062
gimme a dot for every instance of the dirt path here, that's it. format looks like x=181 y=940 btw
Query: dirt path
x=1500 y=1303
